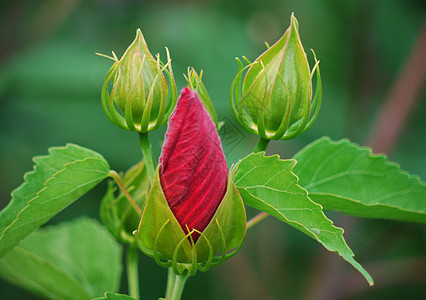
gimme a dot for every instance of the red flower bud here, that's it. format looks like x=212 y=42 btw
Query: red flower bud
x=194 y=217
x=193 y=172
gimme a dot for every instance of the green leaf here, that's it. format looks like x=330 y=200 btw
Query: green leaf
x=344 y=177
x=56 y=181
x=23 y=268
x=267 y=183
x=73 y=260
x=114 y=296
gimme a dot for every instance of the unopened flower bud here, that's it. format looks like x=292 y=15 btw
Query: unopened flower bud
x=193 y=211
x=275 y=98
x=195 y=83
x=140 y=98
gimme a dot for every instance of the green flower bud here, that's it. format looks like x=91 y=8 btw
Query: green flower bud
x=195 y=83
x=274 y=100
x=140 y=99
x=116 y=212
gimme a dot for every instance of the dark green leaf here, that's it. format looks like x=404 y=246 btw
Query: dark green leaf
x=56 y=181
x=267 y=183
x=73 y=260
x=344 y=177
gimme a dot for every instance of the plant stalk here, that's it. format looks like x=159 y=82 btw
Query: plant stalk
x=114 y=175
x=253 y=221
x=132 y=271
x=261 y=145
x=178 y=286
x=171 y=278
x=147 y=155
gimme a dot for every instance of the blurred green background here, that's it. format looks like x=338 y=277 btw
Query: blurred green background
x=50 y=81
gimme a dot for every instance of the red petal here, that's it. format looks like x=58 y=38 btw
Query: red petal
x=194 y=171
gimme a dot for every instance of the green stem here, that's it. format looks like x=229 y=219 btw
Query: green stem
x=256 y=219
x=147 y=155
x=261 y=145
x=114 y=175
x=132 y=271
x=171 y=278
x=179 y=284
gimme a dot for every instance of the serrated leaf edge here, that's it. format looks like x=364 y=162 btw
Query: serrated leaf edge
x=396 y=168
x=353 y=145
x=46 y=182
x=371 y=204
x=350 y=260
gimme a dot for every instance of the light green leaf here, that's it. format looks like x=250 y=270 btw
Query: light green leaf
x=267 y=183
x=56 y=181
x=73 y=260
x=23 y=268
x=114 y=296
x=344 y=177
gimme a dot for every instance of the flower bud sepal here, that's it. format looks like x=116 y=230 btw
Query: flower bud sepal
x=160 y=235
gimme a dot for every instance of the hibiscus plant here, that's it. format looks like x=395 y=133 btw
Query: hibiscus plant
x=187 y=211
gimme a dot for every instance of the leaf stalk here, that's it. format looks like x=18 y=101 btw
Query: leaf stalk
x=253 y=221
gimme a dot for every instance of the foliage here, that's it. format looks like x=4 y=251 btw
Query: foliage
x=45 y=105
x=73 y=260
x=57 y=180
x=345 y=177
x=268 y=184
